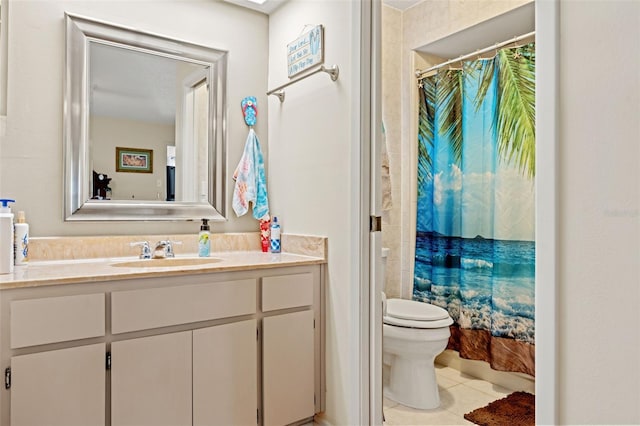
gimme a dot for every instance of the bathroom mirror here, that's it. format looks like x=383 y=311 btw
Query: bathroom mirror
x=144 y=126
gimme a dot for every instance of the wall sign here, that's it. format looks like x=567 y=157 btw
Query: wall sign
x=305 y=51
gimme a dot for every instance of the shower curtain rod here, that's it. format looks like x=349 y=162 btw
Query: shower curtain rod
x=420 y=74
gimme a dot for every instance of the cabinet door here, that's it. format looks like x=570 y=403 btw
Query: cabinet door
x=225 y=375
x=288 y=368
x=63 y=387
x=151 y=380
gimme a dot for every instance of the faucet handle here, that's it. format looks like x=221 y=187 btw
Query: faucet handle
x=169 y=248
x=167 y=245
x=145 y=251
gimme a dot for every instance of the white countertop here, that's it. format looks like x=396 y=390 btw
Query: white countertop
x=43 y=273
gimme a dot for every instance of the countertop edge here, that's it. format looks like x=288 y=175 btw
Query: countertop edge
x=100 y=270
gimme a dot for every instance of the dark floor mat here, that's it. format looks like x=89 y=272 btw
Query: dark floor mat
x=517 y=409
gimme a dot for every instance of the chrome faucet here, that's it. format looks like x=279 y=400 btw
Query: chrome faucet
x=145 y=249
x=164 y=249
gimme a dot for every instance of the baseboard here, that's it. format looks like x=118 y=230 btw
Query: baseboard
x=482 y=370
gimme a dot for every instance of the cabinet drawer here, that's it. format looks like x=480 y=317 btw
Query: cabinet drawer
x=133 y=310
x=56 y=319
x=287 y=291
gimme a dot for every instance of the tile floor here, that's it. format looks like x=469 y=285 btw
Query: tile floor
x=459 y=394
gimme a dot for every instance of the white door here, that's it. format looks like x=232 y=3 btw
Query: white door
x=193 y=141
x=65 y=387
x=151 y=381
x=288 y=368
x=225 y=375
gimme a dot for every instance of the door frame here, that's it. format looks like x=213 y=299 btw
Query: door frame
x=547 y=136
x=547 y=17
x=370 y=284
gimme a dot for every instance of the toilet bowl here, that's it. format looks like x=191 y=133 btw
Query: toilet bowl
x=414 y=333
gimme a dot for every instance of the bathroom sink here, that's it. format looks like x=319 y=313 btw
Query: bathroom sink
x=161 y=263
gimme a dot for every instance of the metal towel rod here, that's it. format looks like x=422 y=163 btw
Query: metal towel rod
x=333 y=71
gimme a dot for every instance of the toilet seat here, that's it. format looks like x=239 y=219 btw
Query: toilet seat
x=412 y=314
x=418 y=324
x=412 y=310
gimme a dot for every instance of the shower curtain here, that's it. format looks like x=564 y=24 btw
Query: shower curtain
x=475 y=248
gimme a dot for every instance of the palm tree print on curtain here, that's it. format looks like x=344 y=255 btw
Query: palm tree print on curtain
x=475 y=248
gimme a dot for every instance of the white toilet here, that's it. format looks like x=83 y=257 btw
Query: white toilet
x=414 y=333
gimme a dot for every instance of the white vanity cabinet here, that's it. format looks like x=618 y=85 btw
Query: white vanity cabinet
x=151 y=380
x=224 y=348
x=203 y=377
x=225 y=372
x=287 y=352
x=288 y=358
x=63 y=387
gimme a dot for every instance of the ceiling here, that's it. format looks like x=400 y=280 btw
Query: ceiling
x=131 y=84
x=269 y=6
x=401 y=4
x=266 y=7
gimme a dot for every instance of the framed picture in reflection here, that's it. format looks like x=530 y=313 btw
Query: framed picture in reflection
x=136 y=160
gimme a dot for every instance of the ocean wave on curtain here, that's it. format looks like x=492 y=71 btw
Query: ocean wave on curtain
x=475 y=248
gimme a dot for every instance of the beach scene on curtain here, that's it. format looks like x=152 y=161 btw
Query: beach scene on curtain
x=475 y=236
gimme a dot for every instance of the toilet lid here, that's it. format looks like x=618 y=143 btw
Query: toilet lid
x=398 y=322
x=414 y=311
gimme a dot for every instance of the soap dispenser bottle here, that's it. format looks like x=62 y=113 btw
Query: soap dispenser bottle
x=21 y=230
x=6 y=237
x=204 y=243
x=275 y=236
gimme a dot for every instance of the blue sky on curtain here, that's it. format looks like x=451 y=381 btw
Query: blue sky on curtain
x=475 y=248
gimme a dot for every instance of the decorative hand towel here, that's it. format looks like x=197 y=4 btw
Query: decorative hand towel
x=251 y=183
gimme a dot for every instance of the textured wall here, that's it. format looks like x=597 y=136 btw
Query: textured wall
x=391 y=117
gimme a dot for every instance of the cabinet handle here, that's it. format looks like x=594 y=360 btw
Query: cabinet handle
x=7 y=378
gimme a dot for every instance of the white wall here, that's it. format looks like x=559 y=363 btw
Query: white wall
x=31 y=152
x=599 y=215
x=313 y=174
x=108 y=133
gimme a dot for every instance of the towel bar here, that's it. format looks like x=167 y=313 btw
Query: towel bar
x=333 y=71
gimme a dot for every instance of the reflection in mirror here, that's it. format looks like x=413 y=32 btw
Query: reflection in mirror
x=134 y=100
x=144 y=126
